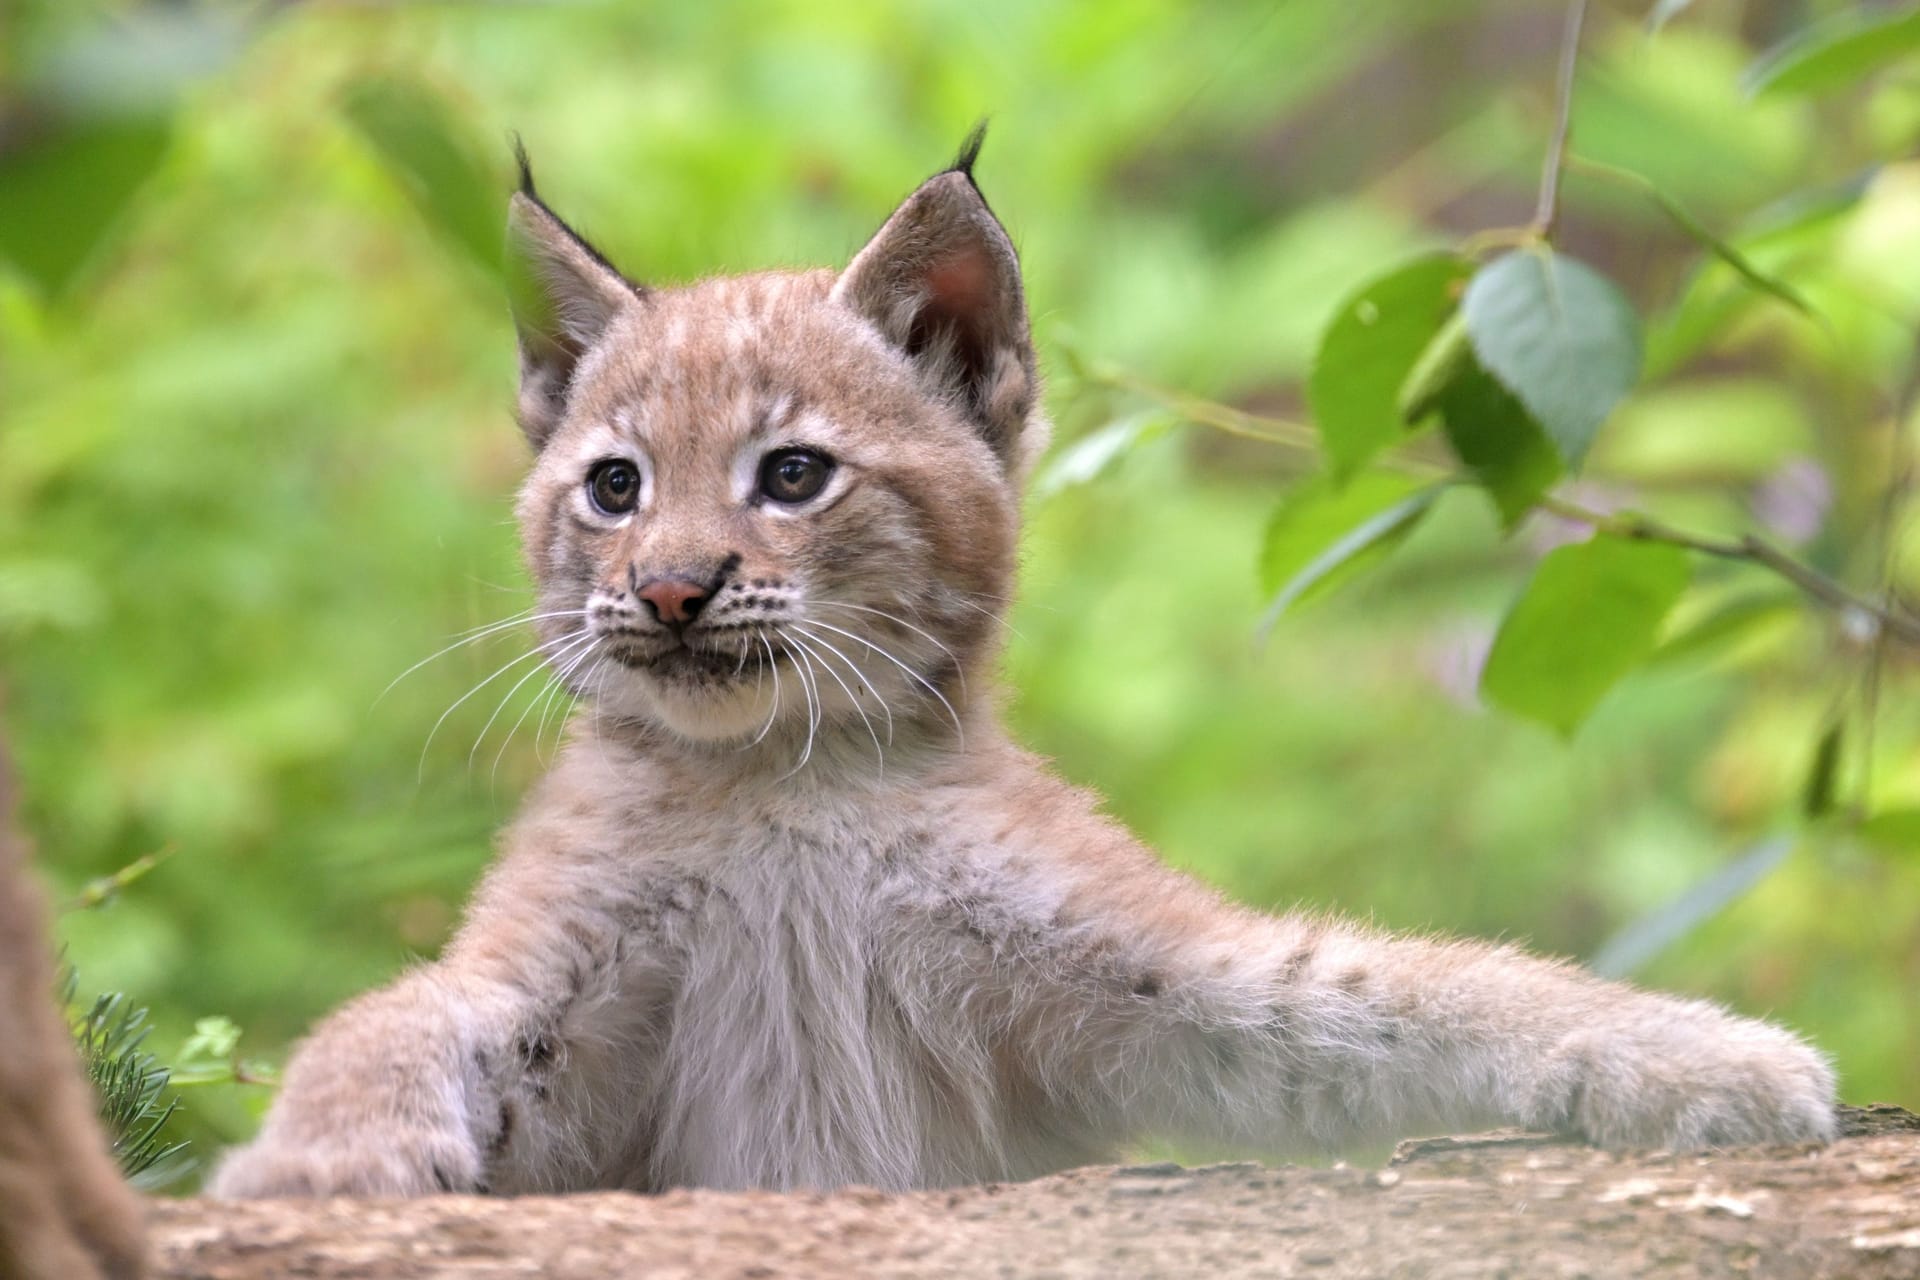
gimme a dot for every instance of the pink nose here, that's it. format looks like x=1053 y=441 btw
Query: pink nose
x=674 y=601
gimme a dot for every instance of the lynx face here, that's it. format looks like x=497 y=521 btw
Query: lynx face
x=778 y=503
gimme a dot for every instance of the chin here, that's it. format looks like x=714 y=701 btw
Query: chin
x=699 y=710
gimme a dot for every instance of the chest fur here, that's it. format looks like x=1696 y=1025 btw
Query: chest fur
x=824 y=1030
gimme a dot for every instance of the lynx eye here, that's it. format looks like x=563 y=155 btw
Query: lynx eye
x=614 y=486
x=793 y=475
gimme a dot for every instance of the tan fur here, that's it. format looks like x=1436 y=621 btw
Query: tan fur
x=64 y=1212
x=791 y=911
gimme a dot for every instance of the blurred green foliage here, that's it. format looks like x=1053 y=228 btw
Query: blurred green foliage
x=256 y=457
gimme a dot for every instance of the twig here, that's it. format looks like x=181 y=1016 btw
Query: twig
x=1547 y=210
x=1210 y=413
x=101 y=889
x=1752 y=549
x=1888 y=619
x=1900 y=468
x=1482 y=243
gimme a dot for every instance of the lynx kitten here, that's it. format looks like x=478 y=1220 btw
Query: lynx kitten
x=792 y=911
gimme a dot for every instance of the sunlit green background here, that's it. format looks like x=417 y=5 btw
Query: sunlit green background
x=256 y=457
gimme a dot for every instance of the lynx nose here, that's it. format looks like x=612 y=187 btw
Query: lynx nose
x=674 y=601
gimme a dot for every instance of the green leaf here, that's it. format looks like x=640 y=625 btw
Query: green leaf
x=1693 y=227
x=1816 y=797
x=1434 y=370
x=1811 y=210
x=1091 y=454
x=66 y=190
x=415 y=135
x=1797 y=228
x=1498 y=441
x=1892 y=831
x=1589 y=615
x=207 y=1057
x=1727 y=624
x=1630 y=949
x=1365 y=354
x=1838 y=52
x=1323 y=534
x=1559 y=336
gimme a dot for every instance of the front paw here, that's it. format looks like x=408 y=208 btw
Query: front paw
x=396 y=1162
x=1685 y=1076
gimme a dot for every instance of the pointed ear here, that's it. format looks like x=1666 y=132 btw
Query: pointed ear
x=941 y=282
x=564 y=295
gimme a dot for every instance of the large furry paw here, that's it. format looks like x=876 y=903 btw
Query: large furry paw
x=400 y=1162
x=1683 y=1076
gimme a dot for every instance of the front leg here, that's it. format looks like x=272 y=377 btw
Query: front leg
x=397 y=1094
x=1172 y=1014
x=518 y=1062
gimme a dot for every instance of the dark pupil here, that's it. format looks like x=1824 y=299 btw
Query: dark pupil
x=794 y=476
x=613 y=487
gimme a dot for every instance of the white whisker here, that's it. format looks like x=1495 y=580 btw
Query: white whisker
x=804 y=671
x=572 y=656
x=550 y=701
x=773 y=665
x=474 y=636
x=999 y=618
x=851 y=697
x=897 y=620
x=566 y=642
x=534 y=652
x=866 y=681
x=911 y=673
x=559 y=689
x=599 y=740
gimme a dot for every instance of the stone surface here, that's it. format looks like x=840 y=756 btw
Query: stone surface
x=1493 y=1205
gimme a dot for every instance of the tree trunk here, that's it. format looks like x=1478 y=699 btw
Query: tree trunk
x=1497 y=1205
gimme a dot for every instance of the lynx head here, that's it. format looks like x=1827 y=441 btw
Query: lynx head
x=778 y=507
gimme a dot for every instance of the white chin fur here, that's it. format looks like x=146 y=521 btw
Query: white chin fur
x=700 y=714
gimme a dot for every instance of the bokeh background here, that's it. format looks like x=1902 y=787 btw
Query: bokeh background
x=256 y=454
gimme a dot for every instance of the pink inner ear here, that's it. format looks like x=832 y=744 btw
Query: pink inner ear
x=961 y=284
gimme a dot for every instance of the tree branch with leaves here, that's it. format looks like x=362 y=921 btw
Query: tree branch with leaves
x=1515 y=354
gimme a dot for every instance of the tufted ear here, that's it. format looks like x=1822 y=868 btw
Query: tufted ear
x=564 y=294
x=941 y=282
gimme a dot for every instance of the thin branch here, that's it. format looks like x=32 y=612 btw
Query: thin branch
x=1888 y=619
x=1547 y=210
x=1210 y=413
x=1892 y=503
x=1752 y=549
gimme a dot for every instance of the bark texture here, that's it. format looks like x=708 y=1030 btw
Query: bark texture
x=1495 y=1205
x=64 y=1212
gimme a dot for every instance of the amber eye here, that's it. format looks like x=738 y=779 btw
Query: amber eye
x=793 y=475
x=614 y=486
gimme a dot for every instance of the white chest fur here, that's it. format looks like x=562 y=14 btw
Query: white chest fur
x=822 y=1031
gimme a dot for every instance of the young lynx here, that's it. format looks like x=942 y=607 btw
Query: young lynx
x=792 y=911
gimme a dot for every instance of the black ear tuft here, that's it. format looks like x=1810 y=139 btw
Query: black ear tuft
x=970 y=151
x=564 y=296
x=525 y=167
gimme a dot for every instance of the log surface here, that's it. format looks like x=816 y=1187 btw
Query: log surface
x=1503 y=1204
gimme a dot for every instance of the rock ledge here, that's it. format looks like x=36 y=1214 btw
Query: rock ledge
x=1504 y=1204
